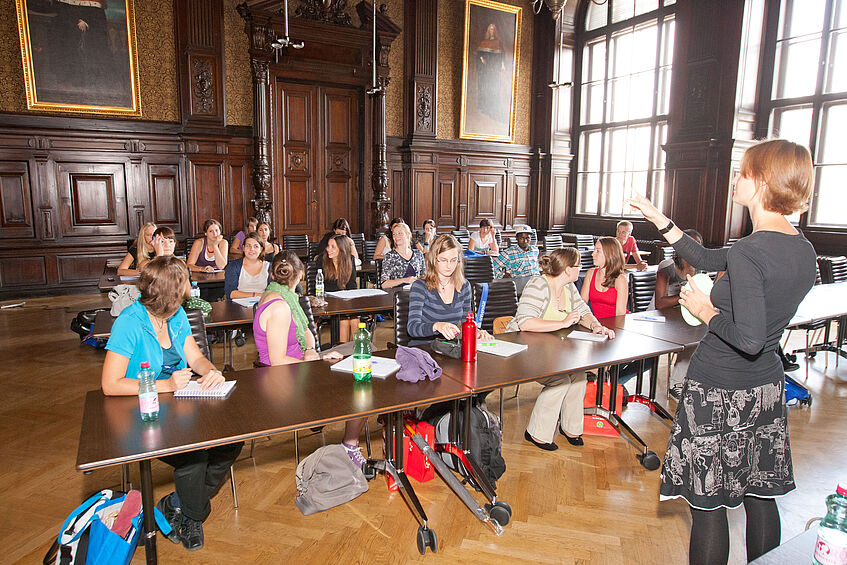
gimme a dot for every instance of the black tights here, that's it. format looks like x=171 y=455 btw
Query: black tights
x=710 y=532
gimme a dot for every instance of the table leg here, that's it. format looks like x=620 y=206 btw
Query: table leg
x=148 y=508
x=334 y=330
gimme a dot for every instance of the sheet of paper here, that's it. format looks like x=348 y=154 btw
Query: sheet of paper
x=128 y=278
x=358 y=293
x=500 y=348
x=585 y=336
x=194 y=390
x=246 y=302
x=648 y=318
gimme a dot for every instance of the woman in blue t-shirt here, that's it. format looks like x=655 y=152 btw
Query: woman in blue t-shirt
x=155 y=329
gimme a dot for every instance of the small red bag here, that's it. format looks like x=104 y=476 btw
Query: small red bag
x=598 y=425
x=415 y=463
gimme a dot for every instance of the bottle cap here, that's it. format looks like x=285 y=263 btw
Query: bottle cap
x=469 y=315
x=361 y=324
x=841 y=489
x=145 y=365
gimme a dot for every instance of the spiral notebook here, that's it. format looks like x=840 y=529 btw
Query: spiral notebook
x=193 y=390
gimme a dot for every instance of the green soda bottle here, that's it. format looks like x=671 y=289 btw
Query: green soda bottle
x=362 y=354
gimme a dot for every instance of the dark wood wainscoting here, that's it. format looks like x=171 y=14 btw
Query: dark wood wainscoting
x=73 y=191
x=459 y=183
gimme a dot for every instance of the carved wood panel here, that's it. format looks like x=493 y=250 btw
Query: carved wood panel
x=485 y=197
x=558 y=218
x=444 y=209
x=22 y=271
x=92 y=198
x=422 y=197
x=340 y=120
x=296 y=149
x=15 y=200
x=520 y=208
x=207 y=180
x=164 y=196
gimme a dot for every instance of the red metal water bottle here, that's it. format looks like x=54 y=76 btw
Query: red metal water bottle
x=469 y=339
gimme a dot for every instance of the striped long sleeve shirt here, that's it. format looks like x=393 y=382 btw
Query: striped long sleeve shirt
x=426 y=308
x=535 y=299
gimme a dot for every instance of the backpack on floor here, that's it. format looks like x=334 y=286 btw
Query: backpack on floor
x=83 y=324
x=486 y=438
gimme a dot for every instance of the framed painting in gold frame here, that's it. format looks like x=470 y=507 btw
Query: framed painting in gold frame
x=79 y=56
x=490 y=70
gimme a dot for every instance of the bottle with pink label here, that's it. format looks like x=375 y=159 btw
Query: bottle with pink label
x=148 y=396
x=831 y=548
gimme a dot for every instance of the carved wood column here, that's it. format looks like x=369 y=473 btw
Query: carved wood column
x=199 y=37
x=261 y=34
x=421 y=52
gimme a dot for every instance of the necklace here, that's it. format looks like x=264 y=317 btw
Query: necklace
x=443 y=286
x=158 y=323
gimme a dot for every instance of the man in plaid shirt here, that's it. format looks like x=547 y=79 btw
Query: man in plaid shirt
x=519 y=261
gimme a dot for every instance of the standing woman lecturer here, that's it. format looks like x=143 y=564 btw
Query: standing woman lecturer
x=729 y=441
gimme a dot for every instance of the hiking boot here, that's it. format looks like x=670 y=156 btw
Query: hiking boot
x=191 y=534
x=173 y=514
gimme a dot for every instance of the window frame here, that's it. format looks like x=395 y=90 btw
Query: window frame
x=583 y=38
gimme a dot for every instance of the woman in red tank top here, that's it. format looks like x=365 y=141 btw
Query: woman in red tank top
x=605 y=288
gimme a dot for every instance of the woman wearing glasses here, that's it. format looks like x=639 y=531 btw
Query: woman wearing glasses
x=440 y=300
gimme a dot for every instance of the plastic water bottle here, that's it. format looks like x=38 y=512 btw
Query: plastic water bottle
x=831 y=548
x=148 y=396
x=195 y=290
x=362 y=354
x=319 y=284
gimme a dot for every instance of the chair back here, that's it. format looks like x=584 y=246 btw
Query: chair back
x=368 y=248
x=498 y=237
x=502 y=301
x=378 y=273
x=198 y=330
x=642 y=287
x=666 y=252
x=479 y=269
x=401 y=317
x=189 y=241
x=299 y=243
x=307 y=309
x=833 y=269
x=313 y=249
x=311 y=272
x=552 y=242
x=359 y=242
x=582 y=241
x=586 y=261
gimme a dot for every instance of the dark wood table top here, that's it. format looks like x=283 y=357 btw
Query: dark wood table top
x=265 y=401
x=366 y=304
x=548 y=355
x=674 y=329
x=224 y=314
x=110 y=279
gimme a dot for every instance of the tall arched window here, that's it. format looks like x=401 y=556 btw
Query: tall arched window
x=624 y=56
x=806 y=102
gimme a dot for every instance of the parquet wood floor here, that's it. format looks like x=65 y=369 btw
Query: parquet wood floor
x=590 y=505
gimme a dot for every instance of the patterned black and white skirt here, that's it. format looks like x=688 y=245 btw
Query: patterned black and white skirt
x=725 y=444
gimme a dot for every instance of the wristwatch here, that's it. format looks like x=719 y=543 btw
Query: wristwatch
x=667 y=228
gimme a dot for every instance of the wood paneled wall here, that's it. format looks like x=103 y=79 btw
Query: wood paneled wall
x=73 y=191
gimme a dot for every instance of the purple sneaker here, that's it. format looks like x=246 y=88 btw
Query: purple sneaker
x=355 y=454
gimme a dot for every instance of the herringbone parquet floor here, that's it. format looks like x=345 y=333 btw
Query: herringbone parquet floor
x=590 y=505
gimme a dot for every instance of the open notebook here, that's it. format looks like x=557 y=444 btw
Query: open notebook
x=193 y=390
x=381 y=367
x=500 y=348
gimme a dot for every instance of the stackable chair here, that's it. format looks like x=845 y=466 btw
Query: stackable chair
x=299 y=243
x=642 y=287
x=552 y=242
x=479 y=269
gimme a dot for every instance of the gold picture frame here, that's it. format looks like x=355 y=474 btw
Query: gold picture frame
x=490 y=70
x=80 y=57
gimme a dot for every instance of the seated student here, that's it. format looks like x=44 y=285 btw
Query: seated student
x=164 y=242
x=142 y=245
x=518 y=261
x=249 y=276
x=269 y=248
x=339 y=270
x=385 y=241
x=551 y=302
x=402 y=265
x=210 y=252
x=339 y=227
x=428 y=237
x=238 y=241
x=439 y=302
x=630 y=248
x=606 y=288
x=282 y=334
x=155 y=329
x=483 y=241
x=670 y=278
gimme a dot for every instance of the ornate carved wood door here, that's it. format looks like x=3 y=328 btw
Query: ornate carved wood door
x=317 y=147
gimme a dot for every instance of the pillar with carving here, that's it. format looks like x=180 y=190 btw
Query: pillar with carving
x=261 y=35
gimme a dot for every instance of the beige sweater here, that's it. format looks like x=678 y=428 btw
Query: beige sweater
x=535 y=299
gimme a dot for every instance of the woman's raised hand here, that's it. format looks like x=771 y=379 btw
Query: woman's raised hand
x=640 y=203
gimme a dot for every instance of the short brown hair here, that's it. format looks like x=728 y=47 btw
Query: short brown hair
x=255 y=237
x=787 y=171
x=165 y=232
x=613 y=252
x=442 y=243
x=164 y=285
x=286 y=267
x=555 y=263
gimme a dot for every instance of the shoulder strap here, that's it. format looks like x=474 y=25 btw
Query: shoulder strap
x=480 y=312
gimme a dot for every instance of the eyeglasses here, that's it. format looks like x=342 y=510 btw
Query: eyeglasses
x=453 y=261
